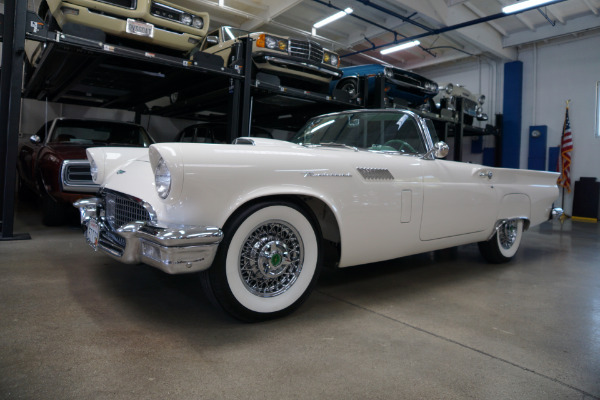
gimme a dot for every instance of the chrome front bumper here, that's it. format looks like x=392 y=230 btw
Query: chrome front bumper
x=285 y=62
x=174 y=250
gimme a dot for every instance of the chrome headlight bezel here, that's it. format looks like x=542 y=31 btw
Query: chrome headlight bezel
x=449 y=88
x=162 y=179
x=93 y=170
x=197 y=22
x=388 y=72
x=276 y=43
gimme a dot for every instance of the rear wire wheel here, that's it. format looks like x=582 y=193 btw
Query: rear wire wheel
x=267 y=264
x=503 y=246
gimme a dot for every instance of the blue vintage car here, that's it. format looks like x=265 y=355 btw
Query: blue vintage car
x=401 y=86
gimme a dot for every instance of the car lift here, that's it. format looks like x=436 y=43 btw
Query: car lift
x=76 y=66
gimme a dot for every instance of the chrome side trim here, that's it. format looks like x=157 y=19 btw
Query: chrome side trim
x=277 y=60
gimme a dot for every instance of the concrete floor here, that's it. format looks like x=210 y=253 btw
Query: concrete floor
x=75 y=324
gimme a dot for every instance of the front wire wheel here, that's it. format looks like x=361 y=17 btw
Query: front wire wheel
x=503 y=246
x=267 y=264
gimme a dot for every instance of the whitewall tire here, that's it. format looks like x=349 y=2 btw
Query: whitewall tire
x=503 y=246
x=268 y=262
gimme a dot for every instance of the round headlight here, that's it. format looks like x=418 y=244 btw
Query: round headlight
x=334 y=60
x=449 y=88
x=162 y=179
x=481 y=99
x=94 y=170
x=326 y=57
x=389 y=73
x=186 y=19
x=197 y=22
x=282 y=45
x=270 y=42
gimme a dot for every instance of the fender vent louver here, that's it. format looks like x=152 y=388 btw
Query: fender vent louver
x=376 y=174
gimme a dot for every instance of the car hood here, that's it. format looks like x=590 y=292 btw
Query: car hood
x=68 y=151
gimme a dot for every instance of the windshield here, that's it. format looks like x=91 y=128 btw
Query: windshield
x=100 y=133
x=378 y=131
x=230 y=33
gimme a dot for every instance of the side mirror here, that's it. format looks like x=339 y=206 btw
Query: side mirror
x=212 y=39
x=35 y=139
x=439 y=150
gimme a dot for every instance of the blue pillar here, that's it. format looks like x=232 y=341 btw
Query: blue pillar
x=512 y=108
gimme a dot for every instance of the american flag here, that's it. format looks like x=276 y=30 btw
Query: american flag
x=564 y=159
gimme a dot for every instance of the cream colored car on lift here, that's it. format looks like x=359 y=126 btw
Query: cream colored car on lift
x=289 y=59
x=163 y=23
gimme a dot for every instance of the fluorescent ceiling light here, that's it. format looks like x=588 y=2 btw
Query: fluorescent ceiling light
x=524 y=5
x=334 y=17
x=401 y=47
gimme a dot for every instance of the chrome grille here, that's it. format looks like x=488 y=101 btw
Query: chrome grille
x=166 y=12
x=131 y=4
x=307 y=50
x=402 y=77
x=79 y=174
x=121 y=210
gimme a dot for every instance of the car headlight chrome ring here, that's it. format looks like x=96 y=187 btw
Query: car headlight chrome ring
x=162 y=179
x=449 y=88
x=197 y=22
x=186 y=19
x=94 y=170
x=388 y=73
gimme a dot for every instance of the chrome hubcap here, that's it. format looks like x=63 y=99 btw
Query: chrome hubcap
x=271 y=259
x=507 y=233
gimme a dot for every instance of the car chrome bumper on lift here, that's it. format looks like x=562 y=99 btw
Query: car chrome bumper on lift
x=307 y=65
x=175 y=250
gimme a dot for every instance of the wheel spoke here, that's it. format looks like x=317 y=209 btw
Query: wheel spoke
x=271 y=259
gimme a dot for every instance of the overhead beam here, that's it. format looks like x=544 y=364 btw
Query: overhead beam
x=548 y=32
x=274 y=10
x=481 y=14
x=591 y=7
x=481 y=35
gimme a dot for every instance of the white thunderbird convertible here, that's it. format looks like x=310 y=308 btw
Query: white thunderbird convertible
x=260 y=217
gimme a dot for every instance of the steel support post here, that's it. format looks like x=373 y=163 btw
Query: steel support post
x=459 y=129
x=13 y=48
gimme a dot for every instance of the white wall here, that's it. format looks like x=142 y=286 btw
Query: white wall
x=553 y=71
x=566 y=68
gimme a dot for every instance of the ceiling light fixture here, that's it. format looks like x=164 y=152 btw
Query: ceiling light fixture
x=334 y=17
x=402 y=46
x=524 y=5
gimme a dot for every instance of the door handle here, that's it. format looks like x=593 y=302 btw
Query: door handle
x=488 y=174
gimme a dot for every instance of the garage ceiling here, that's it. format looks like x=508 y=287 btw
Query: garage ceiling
x=379 y=22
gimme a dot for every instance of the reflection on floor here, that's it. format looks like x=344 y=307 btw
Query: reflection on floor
x=75 y=324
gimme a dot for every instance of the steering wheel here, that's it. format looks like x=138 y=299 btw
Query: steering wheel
x=400 y=145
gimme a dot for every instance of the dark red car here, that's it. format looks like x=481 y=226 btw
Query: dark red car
x=53 y=164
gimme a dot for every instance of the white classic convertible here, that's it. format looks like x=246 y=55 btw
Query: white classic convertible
x=260 y=217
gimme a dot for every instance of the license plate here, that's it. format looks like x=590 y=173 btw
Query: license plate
x=139 y=28
x=92 y=233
